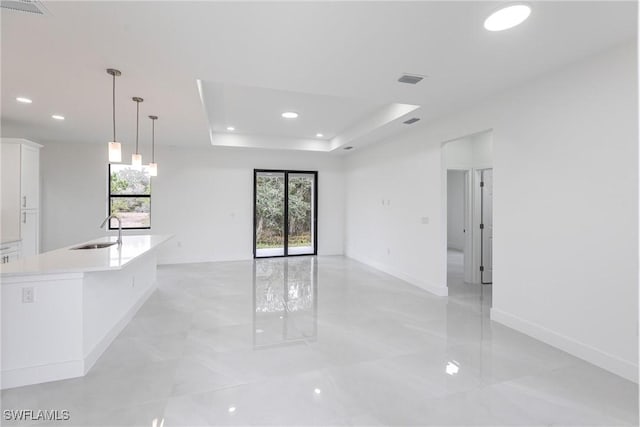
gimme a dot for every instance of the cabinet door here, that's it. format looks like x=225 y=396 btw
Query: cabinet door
x=9 y=252
x=29 y=233
x=29 y=177
x=13 y=256
x=10 y=191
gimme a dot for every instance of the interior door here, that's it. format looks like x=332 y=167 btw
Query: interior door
x=468 y=226
x=486 y=220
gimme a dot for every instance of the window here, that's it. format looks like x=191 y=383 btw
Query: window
x=130 y=196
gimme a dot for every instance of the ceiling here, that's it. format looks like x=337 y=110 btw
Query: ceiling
x=336 y=62
x=252 y=117
x=258 y=110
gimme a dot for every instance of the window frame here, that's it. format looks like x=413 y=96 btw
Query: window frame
x=111 y=196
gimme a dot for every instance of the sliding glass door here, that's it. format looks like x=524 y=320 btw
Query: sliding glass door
x=269 y=206
x=285 y=210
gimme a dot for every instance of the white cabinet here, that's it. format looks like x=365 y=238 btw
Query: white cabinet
x=29 y=177
x=29 y=232
x=9 y=252
x=10 y=191
x=20 y=197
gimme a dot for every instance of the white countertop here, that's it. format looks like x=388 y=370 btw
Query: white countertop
x=67 y=260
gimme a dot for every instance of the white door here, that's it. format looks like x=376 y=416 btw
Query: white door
x=29 y=233
x=29 y=177
x=468 y=227
x=486 y=201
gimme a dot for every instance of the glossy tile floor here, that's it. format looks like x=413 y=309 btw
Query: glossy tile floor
x=326 y=341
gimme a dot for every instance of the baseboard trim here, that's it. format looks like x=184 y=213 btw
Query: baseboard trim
x=441 y=291
x=583 y=351
x=92 y=357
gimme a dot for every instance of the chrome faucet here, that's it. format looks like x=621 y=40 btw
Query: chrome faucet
x=119 y=227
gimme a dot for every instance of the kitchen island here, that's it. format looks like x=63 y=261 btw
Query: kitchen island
x=61 y=309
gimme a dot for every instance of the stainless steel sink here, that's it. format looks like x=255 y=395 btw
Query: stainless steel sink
x=96 y=245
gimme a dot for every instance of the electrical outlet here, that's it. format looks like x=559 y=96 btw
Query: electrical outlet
x=424 y=220
x=27 y=295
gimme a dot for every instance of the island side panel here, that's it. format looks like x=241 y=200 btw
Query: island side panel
x=42 y=339
x=111 y=299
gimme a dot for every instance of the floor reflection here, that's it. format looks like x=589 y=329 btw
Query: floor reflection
x=285 y=301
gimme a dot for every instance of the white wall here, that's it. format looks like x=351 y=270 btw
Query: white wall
x=203 y=196
x=565 y=150
x=474 y=151
x=455 y=209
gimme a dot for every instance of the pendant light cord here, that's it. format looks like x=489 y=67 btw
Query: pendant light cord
x=114 y=108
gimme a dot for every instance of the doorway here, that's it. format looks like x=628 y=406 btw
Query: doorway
x=468 y=169
x=285 y=207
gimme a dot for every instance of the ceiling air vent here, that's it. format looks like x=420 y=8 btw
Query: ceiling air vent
x=410 y=78
x=411 y=121
x=29 y=6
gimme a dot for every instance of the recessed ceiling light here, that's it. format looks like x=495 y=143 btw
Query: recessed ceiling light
x=24 y=100
x=317 y=391
x=319 y=135
x=507 y=17
x=231 y=128
x=57 y=117
x=232 y=409
x=452 y=367
x=290 y=115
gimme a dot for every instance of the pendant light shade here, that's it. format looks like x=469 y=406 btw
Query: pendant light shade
x=115 y=148
x=136 y=161
x=136 y=157
x=115 y=152
x=153 y=166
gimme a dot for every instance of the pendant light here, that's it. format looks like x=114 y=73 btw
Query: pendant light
x=115 y=149
x=136 y=158
x=153 y=166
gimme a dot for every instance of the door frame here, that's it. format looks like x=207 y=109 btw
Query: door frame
x=481 y=220
x=314 y=231
x=473 y=198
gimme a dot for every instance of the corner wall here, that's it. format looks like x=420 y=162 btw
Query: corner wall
x=565 y=207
